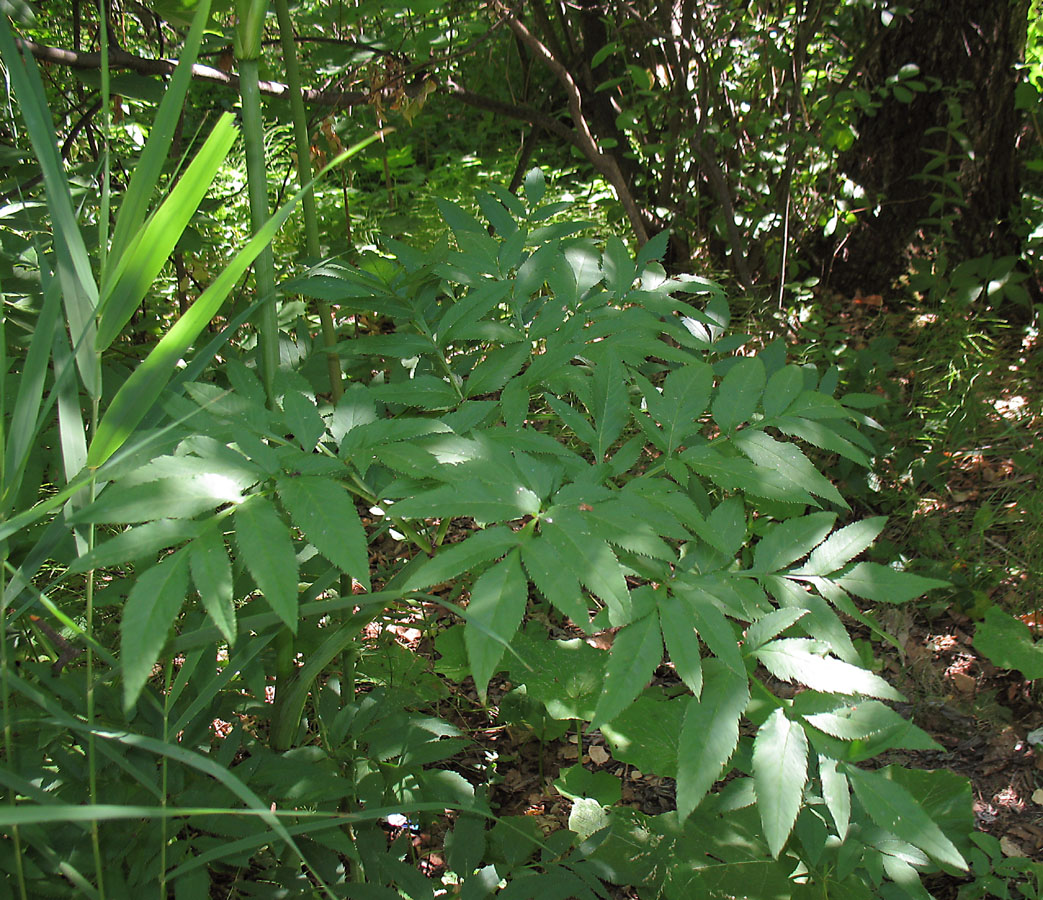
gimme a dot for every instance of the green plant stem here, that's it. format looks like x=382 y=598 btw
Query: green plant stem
x=163 y=781
x=304 y=175
x=92 y=776
x=251 y=22
x=9 y=754
x=267 y=322
x=313 y=249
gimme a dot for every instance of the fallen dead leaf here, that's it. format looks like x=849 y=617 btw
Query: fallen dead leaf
x=598 y=755
x=964 y=683
x=1011 y=848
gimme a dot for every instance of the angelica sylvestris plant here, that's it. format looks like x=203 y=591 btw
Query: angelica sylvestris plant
x=566 y=442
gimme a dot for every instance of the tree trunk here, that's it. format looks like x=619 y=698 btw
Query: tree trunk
x=966 y=51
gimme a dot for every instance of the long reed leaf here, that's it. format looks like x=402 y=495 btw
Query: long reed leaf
x=141 y=390
x=79 y=290
x=157 y=148
x=25 y=417
x=148 y=251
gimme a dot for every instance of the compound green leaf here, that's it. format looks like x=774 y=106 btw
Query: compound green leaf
x=801 y=660
x=535 y=185
x=727 y=526
x=655 y=248
x=212 y=575
x=686 y=393
x=484 y=501
x=423 y=392
x=152 y=606
x=739 y=393
x=790 y=540
x=173 y=498
x=618 y=268
x=836 y=792
x=325 y=512
x=493 y=615
x=822 y=622
x=842 y=546
x=594 y=564
x=609 y=405
x=137 y=543
x=1008 y=643
x=464 y=556
x=573 y=419
x=734 y=474
x=267 y=551
x=822 y=436
x=552 y=575
x=303 y=419
x=709 y=734
x=851 y=723
x=780 y=771
x=646 y=733
x=883 y=584
x=769 y=626
x=782 y=389
x=682 y=641
x=637 y=650
x=498 y=367
x=788 y=461
x=465 y=844
x=565 y=676
x=715 y=630
x=895 y=810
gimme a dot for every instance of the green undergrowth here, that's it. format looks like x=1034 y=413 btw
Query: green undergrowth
x=553 y=433
x=957 y=463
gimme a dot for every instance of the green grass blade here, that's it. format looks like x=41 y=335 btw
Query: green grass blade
x=148 y=250
x=161 y=135
x=25 y=417
x=290 y=707
x=139 y=392
x=72 y=433
x=79 y=291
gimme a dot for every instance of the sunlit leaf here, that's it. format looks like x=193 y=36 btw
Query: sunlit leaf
x=895 y=810
x=326 y=513
x=787 y=461
x=837 y=794
x=883 y=584
x=780 y=770
x=212 y=575
x=787 y=541
x=842 y=546
x=709 y=734
x=267 y=551
x=152 y=606
x=494 y=613
x=637 y=650
x=800 y=660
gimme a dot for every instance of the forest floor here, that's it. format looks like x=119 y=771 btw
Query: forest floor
x=959 y=480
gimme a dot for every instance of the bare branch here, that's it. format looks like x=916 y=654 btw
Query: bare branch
x=120 y=59
x=604 y=163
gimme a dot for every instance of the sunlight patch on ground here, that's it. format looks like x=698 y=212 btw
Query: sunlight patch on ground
x=1013 y=408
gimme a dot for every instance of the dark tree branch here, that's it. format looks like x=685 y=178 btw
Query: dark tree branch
x=604 y=163
x=514 y=111
x=120 y=59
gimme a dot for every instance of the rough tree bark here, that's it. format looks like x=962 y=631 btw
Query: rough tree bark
x=971 y=48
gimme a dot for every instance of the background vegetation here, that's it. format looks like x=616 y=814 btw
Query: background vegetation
x=550 y=449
